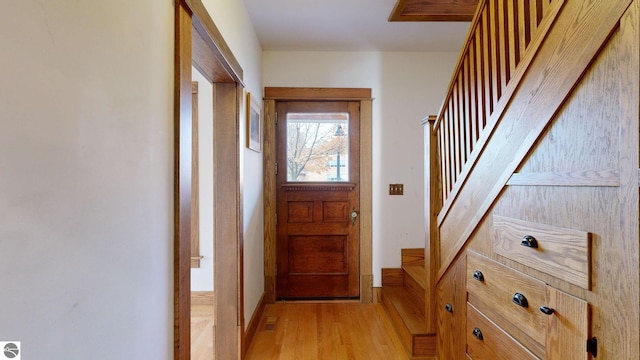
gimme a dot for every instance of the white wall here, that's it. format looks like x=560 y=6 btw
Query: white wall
x=86 y=154
x=231 y=18
x=406 y=87
x=202 y=277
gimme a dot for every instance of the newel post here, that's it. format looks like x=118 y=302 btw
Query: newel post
x=432 y=191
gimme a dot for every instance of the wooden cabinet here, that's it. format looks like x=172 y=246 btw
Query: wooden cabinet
x=520 y=317
x=452 y=309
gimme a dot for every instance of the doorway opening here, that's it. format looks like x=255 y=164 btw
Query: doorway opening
x=199 y=44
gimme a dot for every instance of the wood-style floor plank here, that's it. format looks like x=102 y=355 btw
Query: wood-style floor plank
x=202 y=336
x=319 y=331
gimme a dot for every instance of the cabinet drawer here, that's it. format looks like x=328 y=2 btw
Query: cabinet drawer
x=560 y=252
x=485 y=340
x=499 y=287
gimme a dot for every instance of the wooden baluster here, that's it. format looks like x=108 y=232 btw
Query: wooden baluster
x=524 y=24
x=513 y=31
x=487 y=64
x=495 y=51
x=464 y=95
x=473 y=88
x=503 y=39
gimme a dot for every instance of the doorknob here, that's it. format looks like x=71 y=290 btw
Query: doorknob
x=354 y=215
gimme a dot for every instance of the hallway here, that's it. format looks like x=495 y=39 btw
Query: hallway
x=330 y=330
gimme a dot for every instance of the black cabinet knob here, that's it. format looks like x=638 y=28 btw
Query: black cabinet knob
x=547 y=310
x=529 y=241
x=478 y=334
x=449 y=308
x=520 y=300
x=478 y=275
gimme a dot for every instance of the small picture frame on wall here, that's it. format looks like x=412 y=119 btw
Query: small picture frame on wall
x=254 y=124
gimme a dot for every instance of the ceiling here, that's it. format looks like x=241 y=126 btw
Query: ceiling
x=347 y=25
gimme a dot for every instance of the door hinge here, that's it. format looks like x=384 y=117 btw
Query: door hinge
x=276 y=168
x=276 y=118
x=276 y=218
x=592 y=346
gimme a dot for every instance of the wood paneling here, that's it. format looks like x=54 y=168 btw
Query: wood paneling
x=579 y=170
x=560 y=252
x=366 y=203
x=558 y=65
x=433 y=10
x=269 y=199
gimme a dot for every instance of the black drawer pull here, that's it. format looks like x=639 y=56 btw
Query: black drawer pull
x=520 y=300
x=529 y=241
x=478 y=275
x=449 y=308
x=547 y=310
x=478 y=334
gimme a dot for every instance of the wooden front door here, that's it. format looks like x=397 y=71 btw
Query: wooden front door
x=317 y=199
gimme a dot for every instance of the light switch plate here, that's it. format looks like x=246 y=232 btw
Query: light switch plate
x=396 y=189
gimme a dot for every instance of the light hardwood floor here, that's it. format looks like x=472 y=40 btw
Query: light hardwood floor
x=202 y=336
x=321 y=331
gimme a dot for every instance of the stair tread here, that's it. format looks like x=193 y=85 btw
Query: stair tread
x=411 y=313
x=417 y=272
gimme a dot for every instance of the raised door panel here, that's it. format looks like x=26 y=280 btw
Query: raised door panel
x=567 y=327
x=452 y=312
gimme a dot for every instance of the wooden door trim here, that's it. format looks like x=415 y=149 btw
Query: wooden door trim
x=273 y=94
x=208 y=54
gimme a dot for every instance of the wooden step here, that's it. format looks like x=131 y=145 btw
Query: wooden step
x=413 y=256
x=414 y=282
x=408 y=318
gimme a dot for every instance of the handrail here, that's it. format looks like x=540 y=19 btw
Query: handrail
x=503 y=36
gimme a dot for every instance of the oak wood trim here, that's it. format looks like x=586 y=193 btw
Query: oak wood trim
x=195 y=193
x=366 y=202
x=392 y=277
x=606 y=177
x=270 y=201
x=228 y=223
x=205 y=26
x=398 y=13
x=433 y=199
x=182 y=185
x=293 y=93
x=227 y=215
x=254 y=323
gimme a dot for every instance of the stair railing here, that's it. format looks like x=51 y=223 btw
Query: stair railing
x=501 y=42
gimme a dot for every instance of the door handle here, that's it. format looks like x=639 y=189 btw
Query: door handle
x=354 y=215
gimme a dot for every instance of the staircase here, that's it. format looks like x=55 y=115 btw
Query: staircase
x=403 y=296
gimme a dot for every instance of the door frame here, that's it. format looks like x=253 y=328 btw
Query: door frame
x=199 y=43
x=275 y=94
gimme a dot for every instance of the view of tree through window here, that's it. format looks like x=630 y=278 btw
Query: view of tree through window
x=317 y=147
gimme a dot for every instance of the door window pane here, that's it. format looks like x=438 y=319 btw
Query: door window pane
x=318 y=147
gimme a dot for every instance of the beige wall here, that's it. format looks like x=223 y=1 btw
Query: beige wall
x=86 y=178
x=406 y=86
